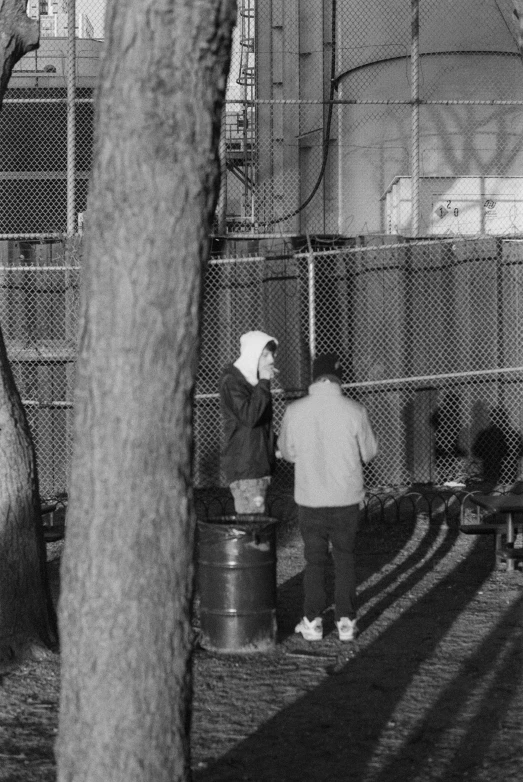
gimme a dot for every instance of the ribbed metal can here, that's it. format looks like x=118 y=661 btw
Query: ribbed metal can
x=236 y=577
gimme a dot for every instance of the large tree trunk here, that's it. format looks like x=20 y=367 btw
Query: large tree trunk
x=128 y=561
x=26 y=612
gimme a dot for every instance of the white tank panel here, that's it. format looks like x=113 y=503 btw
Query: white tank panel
x=371 y=31
x=455 y=141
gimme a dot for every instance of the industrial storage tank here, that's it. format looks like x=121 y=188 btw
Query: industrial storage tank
x=470 y=150
x=413 y=322
x=353 y=158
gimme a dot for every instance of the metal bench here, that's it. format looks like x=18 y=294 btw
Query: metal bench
x=498 y=523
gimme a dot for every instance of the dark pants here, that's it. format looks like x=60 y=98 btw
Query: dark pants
x=318 y=526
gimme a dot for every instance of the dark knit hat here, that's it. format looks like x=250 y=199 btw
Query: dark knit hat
x=327 y=364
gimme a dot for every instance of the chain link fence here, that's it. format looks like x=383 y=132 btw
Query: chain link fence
x=395 y=131
x=371 y=203
x=430 y=338
x=39 y=289
x=46 y=124
x=429 y=334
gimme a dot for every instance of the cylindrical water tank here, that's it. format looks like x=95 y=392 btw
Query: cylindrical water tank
x=467 y=52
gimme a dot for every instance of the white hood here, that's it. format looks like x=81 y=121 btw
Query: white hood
x=251 y=348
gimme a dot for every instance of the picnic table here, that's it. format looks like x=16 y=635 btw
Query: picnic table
x=506 y=505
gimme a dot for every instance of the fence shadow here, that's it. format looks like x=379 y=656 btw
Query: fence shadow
x=377 y=523
x=333 y=731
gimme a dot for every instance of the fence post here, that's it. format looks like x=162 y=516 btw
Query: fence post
x=414 y=65
x=221 y=206
x=312 y=301
x=71 y=115
x=422 y=436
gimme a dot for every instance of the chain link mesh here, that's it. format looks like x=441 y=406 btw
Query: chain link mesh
x=371 y=203
x=46 y=124
x=429 y=334
x=320 y=133
x=39 y=283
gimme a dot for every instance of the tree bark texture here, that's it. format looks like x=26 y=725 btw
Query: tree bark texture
x=128 y=563
x=26 y=613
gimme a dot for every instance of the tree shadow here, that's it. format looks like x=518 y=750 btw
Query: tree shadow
x=334 y=731
x=497 y=664
x=369 y=560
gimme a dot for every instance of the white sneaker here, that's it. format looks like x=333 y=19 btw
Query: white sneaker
x=346 y=628
x=311 y=631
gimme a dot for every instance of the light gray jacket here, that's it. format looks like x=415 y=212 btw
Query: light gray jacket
x=327 y=436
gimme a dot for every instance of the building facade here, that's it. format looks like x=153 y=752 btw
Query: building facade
x=53 y=19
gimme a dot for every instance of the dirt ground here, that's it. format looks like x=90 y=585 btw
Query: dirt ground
x=431 y=689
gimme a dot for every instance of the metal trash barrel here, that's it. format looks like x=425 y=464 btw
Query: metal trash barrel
x=236 y=575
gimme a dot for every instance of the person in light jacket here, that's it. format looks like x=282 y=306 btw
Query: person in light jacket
x=248 y=453
x=328 y=437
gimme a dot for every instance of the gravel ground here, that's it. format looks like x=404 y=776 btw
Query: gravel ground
x=430 y=690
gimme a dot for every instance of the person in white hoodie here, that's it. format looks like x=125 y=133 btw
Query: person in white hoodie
x=328 y=436
x=248 y=453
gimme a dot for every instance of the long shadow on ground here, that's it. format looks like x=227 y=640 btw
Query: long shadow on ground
x=332 y=732
x=494 y=672
x=379 y=541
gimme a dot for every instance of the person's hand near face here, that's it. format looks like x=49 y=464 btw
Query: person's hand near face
x=266 y=369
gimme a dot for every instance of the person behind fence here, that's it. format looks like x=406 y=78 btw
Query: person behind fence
x=499 y=447
x=248 y=453
x=328 y=436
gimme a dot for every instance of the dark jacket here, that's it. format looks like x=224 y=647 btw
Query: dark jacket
x=249 y=441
